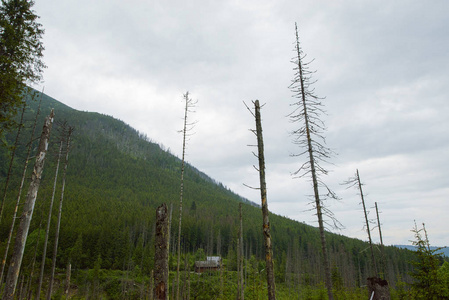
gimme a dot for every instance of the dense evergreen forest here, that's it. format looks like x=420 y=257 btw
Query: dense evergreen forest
x=117 y=177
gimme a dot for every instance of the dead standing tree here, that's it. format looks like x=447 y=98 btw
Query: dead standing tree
x=382 y=254
x=189 y=105
x=355 y=181
x=27 y=214
x=309 y=137
x=19 y=193
x=47 y=231
x=263 y=195
x=161 y=245
x=58 y=225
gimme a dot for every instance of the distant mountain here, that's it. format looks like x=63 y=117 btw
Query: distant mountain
x=444 y=251
x=117 y=177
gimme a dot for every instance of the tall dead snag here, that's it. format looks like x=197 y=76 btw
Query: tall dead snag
x=28 y=208
x=19 y=193
x=58 y=226
x=11 y=231
x=309 y=137
x=161 y=254
x=355 y=181
x=47 y=231
x=189 y=105
x=265 y=213
x=382 y=261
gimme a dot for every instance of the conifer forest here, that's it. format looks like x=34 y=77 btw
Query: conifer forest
x=91 y=208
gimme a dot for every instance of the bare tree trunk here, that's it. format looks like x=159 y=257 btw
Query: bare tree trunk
x=307 y=111
x=378 y=289
x=67 y=280
x=373 y=260
x=11 y=163
x=4 y=197
x=161 y=254
x=188 y=105
x=382 y=261
x=25 y=220
x=19 y=296
x=58 y=226
x=47 y=231
x=19 y=194
x=265 y=213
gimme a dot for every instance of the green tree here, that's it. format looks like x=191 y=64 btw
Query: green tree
x=427 y=284
x=21 y=55
x=443 y=275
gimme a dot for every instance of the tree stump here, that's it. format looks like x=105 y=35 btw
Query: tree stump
x=379 y=287
x=161 y=254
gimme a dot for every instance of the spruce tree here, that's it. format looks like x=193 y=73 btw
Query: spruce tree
x=427 y=282
x=21 y=52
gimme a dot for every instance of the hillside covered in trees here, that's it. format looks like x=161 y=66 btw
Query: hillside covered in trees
x=117 y=177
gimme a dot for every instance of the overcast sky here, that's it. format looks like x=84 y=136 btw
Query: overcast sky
x=381 y=65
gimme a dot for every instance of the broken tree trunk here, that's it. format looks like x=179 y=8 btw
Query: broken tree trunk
x=27 y=214
x=378 y=289
x=265 y=213
x=161 y=254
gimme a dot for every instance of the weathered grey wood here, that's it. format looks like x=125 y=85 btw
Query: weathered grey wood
x=47 y=231
x=67 y=280
x=58 y=226
x=265 y=213
x=27 y=214
x=161 y=254
x=313 y=171
x=11 y=230
x=382 y=253
x=379 y=287
x=373 y=260
x=189 y=103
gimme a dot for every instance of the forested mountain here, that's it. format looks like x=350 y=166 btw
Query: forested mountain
x=117 y=177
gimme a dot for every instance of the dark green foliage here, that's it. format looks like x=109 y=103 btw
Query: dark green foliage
x=20 y=56
x=428 y=281
x=116 y=178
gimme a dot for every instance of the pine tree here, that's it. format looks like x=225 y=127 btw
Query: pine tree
x=21 y=52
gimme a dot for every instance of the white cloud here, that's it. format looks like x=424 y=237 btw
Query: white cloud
x=381 y=66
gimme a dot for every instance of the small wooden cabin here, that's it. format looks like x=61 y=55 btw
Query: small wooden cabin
x=212 y=263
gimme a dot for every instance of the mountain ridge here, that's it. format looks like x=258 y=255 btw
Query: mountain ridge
x=117 y=177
